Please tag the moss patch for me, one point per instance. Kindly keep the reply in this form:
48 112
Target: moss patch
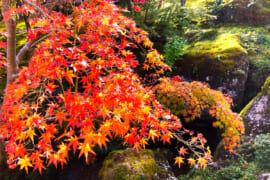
223 51
202 3
130 164
266 87
248 106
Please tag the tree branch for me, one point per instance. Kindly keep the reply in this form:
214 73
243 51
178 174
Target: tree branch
22 51
36 6
26 48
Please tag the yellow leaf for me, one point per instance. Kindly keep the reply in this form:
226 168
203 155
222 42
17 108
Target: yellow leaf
202 162
179 160
25 163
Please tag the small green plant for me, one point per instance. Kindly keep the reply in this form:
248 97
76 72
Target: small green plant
236 171
174 50
262 151
252 159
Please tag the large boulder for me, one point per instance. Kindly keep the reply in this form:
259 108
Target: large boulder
222 62
130 164
256 114
251 12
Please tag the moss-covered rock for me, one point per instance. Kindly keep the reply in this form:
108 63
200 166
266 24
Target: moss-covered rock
246 12
130 164
256 115
221 61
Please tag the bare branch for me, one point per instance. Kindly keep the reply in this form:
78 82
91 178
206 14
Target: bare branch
39 40
26 48
35 6
22 51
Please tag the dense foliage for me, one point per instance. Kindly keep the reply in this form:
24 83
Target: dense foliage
190 99
80 91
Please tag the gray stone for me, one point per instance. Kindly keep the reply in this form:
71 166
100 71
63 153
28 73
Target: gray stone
264 176
256 115
250 12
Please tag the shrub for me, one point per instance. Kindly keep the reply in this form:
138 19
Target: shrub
174 50
262 150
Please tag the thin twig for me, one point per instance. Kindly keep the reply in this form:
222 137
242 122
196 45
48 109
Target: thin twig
37 7
37 41
185 143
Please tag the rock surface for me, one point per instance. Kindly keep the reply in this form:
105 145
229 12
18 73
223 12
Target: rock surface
130 164
256 115
221 62
251 12
264 177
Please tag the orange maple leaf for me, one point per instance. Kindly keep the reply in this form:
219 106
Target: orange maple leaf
202 162
179 160
183 151
191 162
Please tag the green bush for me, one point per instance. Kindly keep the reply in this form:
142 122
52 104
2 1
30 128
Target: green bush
253 158
174 50
262 151
236 171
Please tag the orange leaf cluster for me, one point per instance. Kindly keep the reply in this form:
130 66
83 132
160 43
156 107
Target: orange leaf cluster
193 98
80 91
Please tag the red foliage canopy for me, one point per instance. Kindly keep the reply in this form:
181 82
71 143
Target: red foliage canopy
80 91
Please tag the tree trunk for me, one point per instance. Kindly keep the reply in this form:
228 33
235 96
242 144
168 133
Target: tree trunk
183 2
12 66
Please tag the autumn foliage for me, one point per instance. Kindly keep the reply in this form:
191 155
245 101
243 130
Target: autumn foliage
80 91
189 99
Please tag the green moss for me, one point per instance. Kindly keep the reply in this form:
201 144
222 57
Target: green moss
248 106
224 50
130 164
197 3
266 87
202 3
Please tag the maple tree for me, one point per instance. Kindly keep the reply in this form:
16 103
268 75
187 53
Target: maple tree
80 91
